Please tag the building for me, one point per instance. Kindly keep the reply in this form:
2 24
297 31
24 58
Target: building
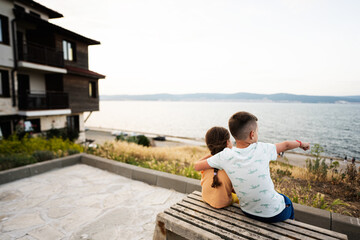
45 81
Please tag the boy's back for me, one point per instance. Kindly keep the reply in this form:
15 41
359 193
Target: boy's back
248 170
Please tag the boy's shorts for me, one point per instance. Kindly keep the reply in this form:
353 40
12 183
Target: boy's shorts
287 213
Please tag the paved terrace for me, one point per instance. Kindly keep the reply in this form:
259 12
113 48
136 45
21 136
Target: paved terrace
81 202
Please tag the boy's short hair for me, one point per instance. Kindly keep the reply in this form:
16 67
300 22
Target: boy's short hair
216 139
241 124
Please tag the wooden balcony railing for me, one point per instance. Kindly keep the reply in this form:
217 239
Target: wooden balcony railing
49 100
37 53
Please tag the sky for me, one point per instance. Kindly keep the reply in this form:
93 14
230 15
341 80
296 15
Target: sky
309 47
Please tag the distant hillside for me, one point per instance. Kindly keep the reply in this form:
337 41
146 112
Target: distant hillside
279 97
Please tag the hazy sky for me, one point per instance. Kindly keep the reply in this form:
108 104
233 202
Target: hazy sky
189 46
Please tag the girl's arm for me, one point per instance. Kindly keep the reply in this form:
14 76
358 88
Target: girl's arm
202 164
288 145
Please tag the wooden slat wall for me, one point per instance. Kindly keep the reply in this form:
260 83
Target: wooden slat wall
78 89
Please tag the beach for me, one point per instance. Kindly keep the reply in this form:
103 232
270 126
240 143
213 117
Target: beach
100 136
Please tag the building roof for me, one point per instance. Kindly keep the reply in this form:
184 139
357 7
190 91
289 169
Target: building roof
38 6
28 17
83 72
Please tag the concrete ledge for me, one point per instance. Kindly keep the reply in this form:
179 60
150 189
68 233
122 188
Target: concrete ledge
166 180
152 177
345 224
116 167
314 216
37 168
14 174
148 176
42 167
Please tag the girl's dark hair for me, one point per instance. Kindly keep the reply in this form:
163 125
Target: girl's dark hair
216 140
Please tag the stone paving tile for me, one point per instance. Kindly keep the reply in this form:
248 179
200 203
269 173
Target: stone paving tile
81 202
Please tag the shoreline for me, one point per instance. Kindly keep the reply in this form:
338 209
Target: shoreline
186 140
101 135
169 138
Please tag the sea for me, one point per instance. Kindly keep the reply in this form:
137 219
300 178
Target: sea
336 127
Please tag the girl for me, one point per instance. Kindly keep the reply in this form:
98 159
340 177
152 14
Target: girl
217 189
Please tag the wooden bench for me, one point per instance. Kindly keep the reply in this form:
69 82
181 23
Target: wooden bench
194 219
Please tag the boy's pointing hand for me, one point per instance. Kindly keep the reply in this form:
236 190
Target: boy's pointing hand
305 146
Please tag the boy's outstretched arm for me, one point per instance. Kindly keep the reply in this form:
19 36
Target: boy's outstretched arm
202 164
288 145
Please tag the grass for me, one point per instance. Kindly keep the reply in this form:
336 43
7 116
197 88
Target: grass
337 192
175 160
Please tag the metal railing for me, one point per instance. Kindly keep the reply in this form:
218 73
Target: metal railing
48 100
33 52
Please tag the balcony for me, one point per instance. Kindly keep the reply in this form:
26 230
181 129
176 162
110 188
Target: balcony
45 101
36 53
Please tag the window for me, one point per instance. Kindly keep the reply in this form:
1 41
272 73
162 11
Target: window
73 123
92 89
32 125
4 84
5 128
69 50
4 29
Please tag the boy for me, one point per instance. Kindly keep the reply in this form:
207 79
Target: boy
247 166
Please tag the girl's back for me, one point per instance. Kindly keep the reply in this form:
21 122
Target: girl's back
220 196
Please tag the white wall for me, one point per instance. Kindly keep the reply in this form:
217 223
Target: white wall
82 136
6 51
81 124
6 107
37 81
47 123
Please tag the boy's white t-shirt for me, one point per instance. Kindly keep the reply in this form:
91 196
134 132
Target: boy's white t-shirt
248 170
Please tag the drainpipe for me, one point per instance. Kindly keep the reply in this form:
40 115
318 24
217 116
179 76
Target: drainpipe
13 26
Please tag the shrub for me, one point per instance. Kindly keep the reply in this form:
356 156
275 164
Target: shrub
15 160
140 139
317 167
16 152
43 155
64 133
143 140
352 175
73 151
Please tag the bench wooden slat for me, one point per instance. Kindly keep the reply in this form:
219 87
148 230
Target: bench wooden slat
228 219
255 223
219 223
306 229
223 234
318 229
166 222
